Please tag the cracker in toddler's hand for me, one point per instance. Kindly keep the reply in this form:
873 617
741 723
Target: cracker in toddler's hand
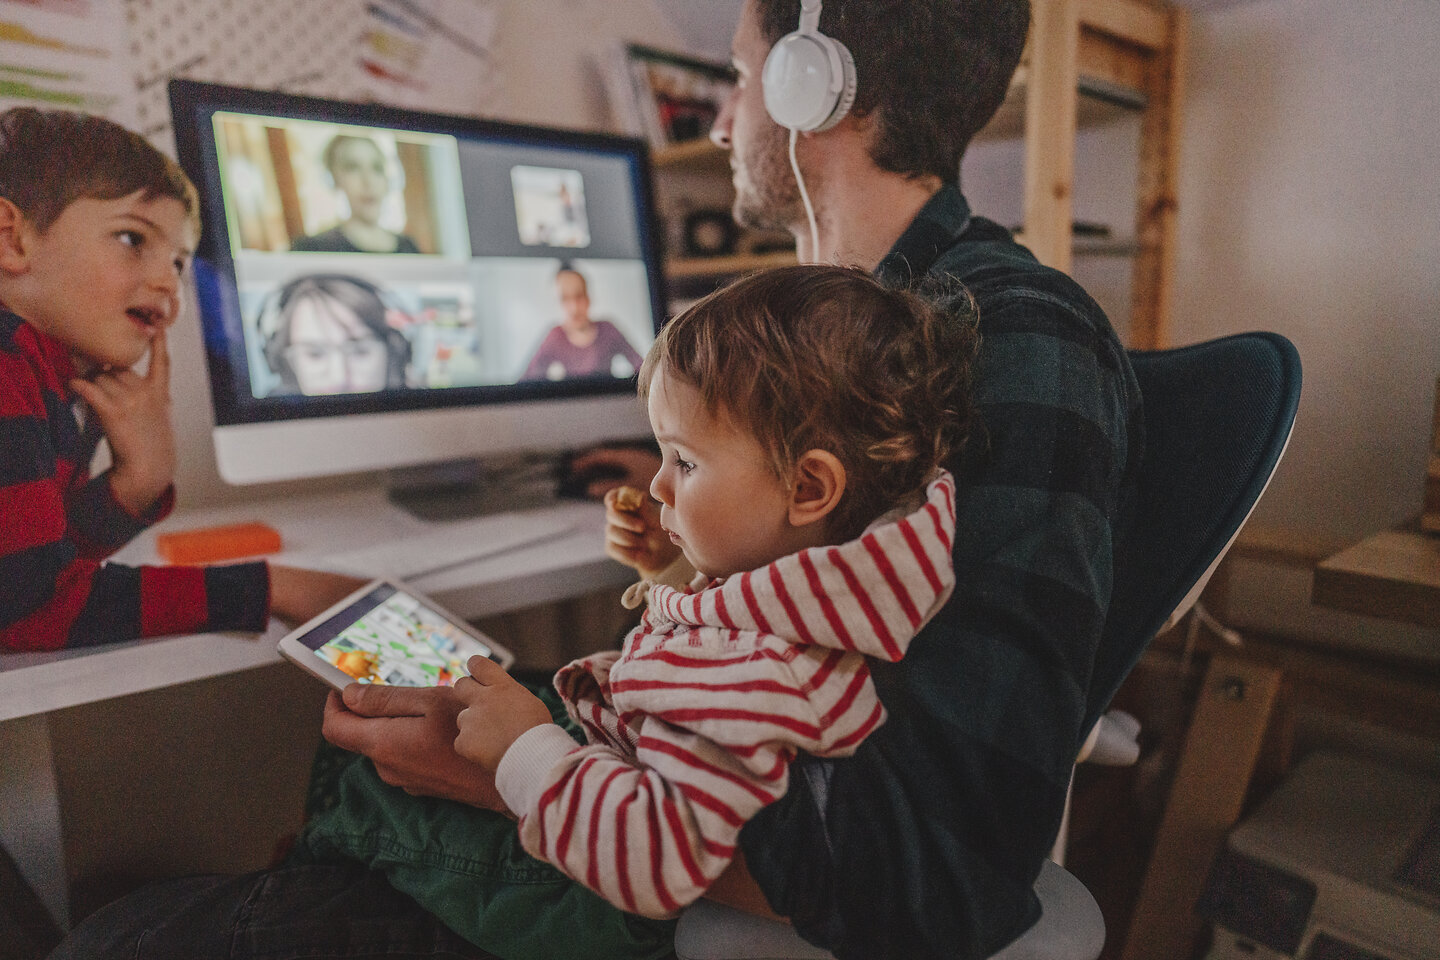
629 499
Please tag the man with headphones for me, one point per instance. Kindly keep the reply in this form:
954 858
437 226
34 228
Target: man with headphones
847 127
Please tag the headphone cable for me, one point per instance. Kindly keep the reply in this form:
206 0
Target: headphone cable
805 199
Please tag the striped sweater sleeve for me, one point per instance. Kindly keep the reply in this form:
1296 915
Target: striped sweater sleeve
692 729
55 589
647 815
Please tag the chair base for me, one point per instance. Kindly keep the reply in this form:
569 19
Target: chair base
1070 928
713 931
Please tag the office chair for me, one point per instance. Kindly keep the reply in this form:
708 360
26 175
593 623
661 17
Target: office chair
1217 418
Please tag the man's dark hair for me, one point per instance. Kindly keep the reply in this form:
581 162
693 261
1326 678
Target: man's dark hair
932 72
51 158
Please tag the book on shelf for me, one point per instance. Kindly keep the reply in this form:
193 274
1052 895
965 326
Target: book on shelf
664 96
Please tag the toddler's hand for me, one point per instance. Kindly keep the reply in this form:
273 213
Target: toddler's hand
134 412
634 536
497 711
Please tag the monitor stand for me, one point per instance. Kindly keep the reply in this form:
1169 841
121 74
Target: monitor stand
458 489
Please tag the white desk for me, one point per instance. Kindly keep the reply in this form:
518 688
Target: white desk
31 685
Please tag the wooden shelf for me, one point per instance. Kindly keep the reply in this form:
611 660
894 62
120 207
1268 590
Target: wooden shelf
1394 574
699 154
1100 101
1086 247
685 268
1096 246
1086 63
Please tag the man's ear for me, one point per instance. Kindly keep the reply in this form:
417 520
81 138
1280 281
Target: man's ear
818 485
14 238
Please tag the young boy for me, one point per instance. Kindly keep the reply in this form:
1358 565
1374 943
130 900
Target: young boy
96 229
793 409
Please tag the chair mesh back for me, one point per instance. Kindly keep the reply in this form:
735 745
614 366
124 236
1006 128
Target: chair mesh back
1217 416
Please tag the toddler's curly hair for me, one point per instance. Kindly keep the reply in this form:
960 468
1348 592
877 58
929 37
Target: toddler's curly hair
827 357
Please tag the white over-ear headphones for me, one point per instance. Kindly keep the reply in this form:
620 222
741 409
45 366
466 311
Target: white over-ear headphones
809 78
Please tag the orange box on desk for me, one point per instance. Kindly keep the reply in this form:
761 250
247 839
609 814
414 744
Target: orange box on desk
212 544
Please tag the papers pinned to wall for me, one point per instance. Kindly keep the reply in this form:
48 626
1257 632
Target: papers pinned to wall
66 54
114 59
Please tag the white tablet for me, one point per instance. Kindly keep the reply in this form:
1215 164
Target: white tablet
387 633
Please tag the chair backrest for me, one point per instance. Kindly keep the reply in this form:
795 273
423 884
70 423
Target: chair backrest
1217 417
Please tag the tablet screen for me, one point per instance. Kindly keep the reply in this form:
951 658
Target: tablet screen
390 637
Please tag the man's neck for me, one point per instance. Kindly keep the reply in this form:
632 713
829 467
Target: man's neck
860 212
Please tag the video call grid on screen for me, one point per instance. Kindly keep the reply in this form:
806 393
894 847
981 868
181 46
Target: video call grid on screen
479 220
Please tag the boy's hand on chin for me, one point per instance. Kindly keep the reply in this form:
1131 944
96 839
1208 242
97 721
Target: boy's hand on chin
134 412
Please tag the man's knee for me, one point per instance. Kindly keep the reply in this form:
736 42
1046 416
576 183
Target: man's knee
313 910
126 928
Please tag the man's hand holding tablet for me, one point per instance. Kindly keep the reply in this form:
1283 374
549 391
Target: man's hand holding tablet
407 731
386 633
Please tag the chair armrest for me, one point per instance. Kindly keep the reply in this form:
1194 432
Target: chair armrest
1113 741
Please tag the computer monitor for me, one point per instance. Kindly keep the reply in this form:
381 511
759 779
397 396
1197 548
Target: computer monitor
381 287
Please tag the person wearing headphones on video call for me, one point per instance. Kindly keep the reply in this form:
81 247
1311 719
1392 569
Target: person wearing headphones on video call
331 333
925 842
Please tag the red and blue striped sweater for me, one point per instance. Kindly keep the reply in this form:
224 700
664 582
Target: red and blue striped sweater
57 526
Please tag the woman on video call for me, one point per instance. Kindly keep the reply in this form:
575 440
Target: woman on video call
327 334
580 346
357 167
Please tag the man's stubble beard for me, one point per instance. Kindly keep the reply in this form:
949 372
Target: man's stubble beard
768 198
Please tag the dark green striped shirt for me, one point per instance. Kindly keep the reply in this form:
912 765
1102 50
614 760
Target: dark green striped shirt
926 842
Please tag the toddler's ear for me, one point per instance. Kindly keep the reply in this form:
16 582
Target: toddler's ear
14 238
818 485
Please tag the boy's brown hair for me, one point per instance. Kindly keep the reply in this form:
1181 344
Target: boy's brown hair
826 357
51 158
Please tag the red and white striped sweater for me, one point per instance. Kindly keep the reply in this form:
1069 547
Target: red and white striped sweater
693 724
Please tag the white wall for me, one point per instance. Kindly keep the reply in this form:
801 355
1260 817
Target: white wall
545 54
1310 205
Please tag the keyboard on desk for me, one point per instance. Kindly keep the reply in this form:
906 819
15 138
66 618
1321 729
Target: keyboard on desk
454 545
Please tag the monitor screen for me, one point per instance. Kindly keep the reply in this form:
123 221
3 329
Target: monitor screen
381 287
